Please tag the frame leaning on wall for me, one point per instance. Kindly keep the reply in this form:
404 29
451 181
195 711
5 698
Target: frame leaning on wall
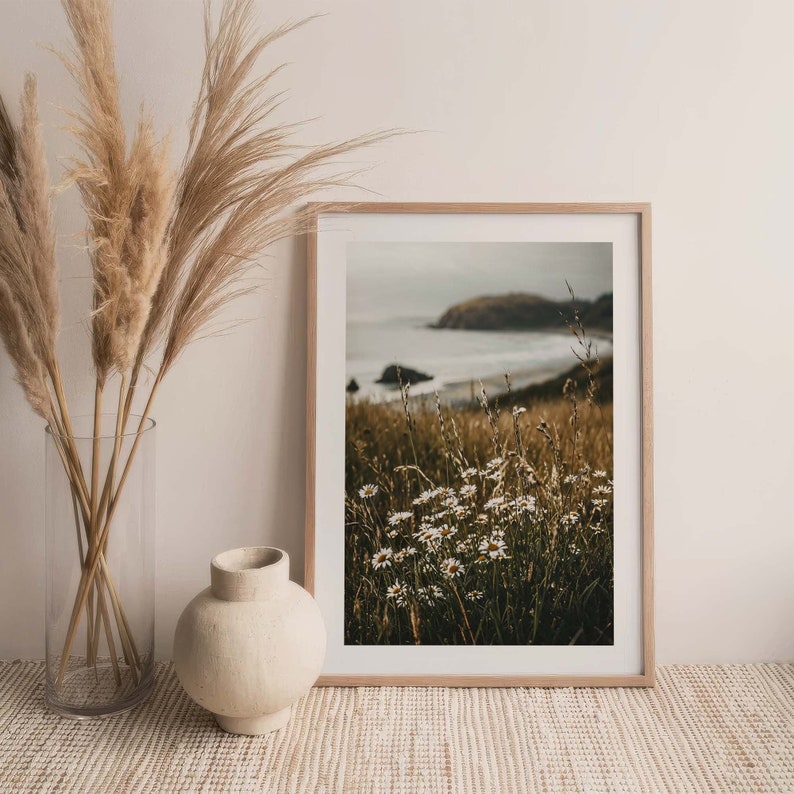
642 213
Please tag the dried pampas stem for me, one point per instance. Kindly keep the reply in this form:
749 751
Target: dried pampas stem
167 252
35 209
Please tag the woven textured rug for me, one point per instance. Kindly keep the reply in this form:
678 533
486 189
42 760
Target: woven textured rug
703 729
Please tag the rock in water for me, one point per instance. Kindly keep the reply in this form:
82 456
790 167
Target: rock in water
406 375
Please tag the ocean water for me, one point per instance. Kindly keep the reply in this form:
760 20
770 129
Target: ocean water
455 358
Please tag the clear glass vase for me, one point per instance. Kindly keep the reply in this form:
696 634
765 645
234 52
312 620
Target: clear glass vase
100 521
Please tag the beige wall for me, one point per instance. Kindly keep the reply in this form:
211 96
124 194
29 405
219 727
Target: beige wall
684 104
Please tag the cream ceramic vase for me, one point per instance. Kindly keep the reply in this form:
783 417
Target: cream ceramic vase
252 643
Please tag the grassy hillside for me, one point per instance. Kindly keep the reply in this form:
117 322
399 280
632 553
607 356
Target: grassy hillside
550 389
526 311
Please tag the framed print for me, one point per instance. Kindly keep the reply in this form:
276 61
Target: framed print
479 468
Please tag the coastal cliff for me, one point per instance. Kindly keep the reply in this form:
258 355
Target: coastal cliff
525 311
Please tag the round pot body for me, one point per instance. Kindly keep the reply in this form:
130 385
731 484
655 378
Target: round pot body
252 643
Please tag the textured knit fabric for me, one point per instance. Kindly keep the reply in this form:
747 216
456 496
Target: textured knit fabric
703 729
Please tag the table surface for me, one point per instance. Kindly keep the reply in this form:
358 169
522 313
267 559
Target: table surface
720 729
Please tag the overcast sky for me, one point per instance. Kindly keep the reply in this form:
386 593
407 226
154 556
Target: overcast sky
424 279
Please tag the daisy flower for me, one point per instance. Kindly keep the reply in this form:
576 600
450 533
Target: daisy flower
400 555
495 503
430 595
446 531
427 535
396 591
468 490
493 547
368 491
382 558
424 497
461 512
600 502
570 518
602 489
524 504
518 410
570 478
467 473
474 595
445 490
600 473
398 518
493 464
392 533
452 567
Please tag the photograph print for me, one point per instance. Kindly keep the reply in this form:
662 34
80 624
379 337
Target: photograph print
479 443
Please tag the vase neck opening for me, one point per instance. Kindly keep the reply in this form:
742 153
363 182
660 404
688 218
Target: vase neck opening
84 427
253 573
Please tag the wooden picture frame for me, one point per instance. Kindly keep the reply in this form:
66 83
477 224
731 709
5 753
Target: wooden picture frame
639 215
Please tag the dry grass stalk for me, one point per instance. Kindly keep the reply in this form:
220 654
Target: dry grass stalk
7 147
28 275
167 253
29 304
240 175
27 365
35 206
126 195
